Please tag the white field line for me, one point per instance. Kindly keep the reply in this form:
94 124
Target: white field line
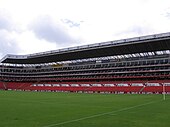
102 114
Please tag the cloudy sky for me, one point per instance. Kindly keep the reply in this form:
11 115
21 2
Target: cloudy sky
30 26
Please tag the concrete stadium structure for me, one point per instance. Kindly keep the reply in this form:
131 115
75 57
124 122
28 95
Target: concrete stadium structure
133 65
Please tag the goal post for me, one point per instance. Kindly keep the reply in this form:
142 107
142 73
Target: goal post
163 91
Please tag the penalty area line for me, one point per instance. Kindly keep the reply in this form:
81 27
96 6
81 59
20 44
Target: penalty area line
101 114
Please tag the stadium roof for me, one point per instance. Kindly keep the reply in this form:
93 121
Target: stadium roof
150 43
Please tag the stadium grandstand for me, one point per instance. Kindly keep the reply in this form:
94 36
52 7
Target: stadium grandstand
134 65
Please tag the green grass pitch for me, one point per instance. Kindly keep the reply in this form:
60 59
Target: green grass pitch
49 109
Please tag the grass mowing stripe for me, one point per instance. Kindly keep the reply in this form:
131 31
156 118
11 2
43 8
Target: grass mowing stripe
102 114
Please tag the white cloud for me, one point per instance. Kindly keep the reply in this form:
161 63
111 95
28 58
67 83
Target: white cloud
50 30
28 43
8 43
41 25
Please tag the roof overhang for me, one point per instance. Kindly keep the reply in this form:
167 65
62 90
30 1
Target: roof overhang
150 43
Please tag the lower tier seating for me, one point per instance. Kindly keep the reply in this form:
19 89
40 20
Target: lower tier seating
88 87
2 85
